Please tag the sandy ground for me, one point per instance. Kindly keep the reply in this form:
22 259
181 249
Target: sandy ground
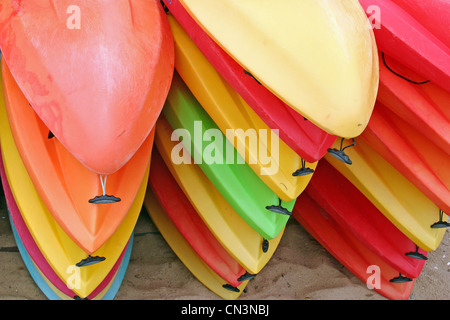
300 269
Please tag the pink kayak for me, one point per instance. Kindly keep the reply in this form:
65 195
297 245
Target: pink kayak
424 105
403 38
432 14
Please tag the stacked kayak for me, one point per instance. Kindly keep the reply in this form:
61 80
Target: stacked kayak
75 149
407 39
330 76
191 227
228 110
249 196
222 119
243 242
306 139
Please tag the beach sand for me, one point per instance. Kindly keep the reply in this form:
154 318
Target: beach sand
300 269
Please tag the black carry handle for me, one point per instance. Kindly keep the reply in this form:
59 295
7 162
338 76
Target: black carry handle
303 171
416 254
104 199
400 279
340 154
90 260
246 276
230 288
279 209
441 223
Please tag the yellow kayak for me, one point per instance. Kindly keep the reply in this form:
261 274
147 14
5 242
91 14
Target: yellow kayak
318 56
243 243
185 252
59 250
230 112
394 195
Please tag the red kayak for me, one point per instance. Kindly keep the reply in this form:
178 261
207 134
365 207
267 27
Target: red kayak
350 251
96 72
411 153
191 226
432 14
355 213
424 106
305 138
403 38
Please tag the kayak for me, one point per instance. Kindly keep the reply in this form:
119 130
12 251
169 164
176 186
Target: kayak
404 39
63 183
412 154
256 203
53 293
106 67
190 225
283 172
394 195
56 246
305 138
185 252
108 292
424 106
246 245
352 253
40 270
432 14
319 57
353 212
111 289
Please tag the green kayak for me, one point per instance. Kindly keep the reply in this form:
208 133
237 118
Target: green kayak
249 196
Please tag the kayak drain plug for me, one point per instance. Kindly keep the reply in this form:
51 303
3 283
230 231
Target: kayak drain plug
340 154
265 245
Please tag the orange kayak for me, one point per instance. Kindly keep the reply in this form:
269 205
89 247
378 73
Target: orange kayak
96 72
63 183
416 157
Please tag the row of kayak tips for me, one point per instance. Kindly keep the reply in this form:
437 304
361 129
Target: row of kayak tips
224 119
